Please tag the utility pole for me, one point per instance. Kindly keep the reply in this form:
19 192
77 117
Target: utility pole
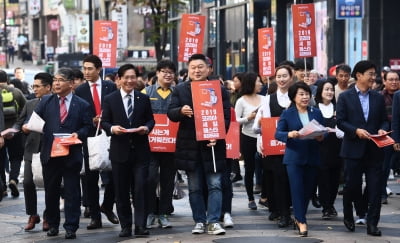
5 32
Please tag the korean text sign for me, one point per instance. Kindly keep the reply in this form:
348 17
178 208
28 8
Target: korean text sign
271 146
266 52
304 30
105 42
163 136
191 36
208 110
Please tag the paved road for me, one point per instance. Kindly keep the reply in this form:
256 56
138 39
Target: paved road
250 226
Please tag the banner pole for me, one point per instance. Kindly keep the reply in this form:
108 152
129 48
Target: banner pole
213 156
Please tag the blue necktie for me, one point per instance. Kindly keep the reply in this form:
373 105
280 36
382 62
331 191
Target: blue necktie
130 108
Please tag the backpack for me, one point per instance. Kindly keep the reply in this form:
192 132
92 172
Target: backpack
10 105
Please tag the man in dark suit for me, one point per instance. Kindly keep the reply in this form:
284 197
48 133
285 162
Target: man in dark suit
128 118
63 112
360 113
41 86
94 91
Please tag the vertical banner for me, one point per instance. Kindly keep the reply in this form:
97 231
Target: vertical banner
266 52
304 30
163 136
233 138
105 42
271 146
191 36
208 110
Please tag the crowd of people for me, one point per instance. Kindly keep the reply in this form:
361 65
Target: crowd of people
79 102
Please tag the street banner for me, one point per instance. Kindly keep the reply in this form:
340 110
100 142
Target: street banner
105 42
271 146
208 110
266 52
233 138
191 36
346 9
304 30
163 136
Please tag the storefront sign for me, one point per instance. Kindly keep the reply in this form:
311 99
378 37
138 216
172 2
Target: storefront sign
349 9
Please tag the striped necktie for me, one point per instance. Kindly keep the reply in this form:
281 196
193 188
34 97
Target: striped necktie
63 109
130 108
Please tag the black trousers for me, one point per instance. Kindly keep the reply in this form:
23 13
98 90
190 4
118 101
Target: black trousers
55 170
123 174
14 147
161 171
371 165
328 185
277 183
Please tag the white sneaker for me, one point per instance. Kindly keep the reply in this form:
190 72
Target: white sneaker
199 228
215 229
361 221
151 218
228 223
61 205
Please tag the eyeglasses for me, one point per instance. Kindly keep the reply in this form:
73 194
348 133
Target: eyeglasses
60 80
36 86
167 72
393 79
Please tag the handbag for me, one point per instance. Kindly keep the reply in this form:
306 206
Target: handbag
98 148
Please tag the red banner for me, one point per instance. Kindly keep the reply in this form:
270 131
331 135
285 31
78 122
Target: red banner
163 136
233 138
271 146
266 52
304 30
105 42
208 110
191 36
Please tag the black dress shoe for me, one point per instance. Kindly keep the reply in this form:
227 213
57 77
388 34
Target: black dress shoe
86 213
273 216
94 224
52 232
110 215
70 235
125 232
373 230
315 202
349 223
285 221
141 231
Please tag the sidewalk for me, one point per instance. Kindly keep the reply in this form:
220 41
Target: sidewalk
250 226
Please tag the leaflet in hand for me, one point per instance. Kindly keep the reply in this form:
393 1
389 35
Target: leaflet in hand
66 139
382 140
35 123
131 130
312 130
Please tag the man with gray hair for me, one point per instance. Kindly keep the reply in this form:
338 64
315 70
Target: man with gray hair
66 113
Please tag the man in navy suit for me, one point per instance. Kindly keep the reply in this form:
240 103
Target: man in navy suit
93 91
63 112
360 113
128 118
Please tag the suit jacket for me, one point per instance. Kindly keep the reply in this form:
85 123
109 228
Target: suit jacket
298 151
32 143
350 116
396 117
114 114
84 91
78 120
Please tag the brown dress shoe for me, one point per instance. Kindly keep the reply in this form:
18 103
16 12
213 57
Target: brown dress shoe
46 226
33 219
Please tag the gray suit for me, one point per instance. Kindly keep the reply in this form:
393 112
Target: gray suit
32 145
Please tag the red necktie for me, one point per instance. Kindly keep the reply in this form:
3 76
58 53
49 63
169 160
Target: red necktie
96 100
63 110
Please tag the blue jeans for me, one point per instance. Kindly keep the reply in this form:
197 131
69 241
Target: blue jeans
197 186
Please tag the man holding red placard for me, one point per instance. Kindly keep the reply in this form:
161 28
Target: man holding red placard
196 157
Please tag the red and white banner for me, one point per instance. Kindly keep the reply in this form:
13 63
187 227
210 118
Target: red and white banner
266 52
304 30
233 138
163 136
271 146
208 110
191 36
105 42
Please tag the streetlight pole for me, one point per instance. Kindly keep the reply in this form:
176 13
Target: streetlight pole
5 32
90 27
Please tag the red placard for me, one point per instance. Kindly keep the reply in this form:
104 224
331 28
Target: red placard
191 36
266 52
163 136
105 42
271 146
208 110
233 138
304 30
